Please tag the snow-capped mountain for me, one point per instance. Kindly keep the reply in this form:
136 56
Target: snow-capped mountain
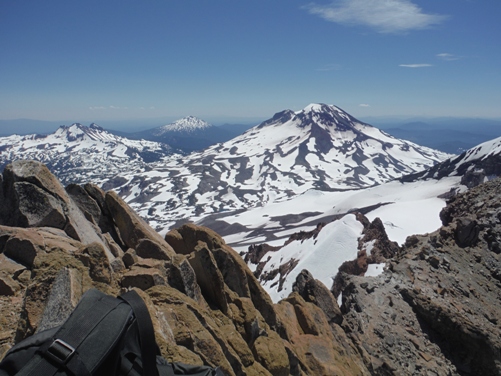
474 165
187 124
187 134
320 147
79 153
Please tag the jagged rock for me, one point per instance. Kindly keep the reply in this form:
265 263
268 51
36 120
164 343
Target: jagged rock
209 277
438 304
316 292
182 277
185 238
131 227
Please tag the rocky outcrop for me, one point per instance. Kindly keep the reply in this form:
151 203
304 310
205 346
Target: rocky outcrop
437 310
206 305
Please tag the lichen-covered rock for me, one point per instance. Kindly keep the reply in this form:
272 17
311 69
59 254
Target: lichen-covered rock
271 353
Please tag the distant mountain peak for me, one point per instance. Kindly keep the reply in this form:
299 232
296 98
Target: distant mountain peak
186 124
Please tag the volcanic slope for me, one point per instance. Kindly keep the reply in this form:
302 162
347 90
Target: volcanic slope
320 147
320 231
79 153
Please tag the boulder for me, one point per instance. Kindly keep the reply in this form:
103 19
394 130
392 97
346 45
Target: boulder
147 248
132 228
21 245
37 208
130 258
271 353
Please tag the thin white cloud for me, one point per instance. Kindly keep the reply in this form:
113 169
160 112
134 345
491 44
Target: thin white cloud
386 16
97 108
415 65
364 105
448 57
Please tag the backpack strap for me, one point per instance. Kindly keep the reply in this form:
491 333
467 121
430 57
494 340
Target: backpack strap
68 348
149 347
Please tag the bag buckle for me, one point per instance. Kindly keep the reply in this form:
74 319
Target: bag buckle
60 351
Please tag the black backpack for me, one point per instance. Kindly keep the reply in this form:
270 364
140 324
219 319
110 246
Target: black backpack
105 336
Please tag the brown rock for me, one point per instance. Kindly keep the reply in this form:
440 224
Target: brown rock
209 277
10 267
194 328
131 227
315 292
185 239
94 257
130 258
7 285
143 278
270 352
182 277
147 248
22 245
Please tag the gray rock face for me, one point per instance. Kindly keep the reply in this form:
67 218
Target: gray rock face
64 295
438 308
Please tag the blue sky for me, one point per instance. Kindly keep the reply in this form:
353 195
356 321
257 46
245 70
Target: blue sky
226 59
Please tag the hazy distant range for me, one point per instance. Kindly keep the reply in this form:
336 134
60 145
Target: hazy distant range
452 135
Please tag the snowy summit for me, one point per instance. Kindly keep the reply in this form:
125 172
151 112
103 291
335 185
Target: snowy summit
186 124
